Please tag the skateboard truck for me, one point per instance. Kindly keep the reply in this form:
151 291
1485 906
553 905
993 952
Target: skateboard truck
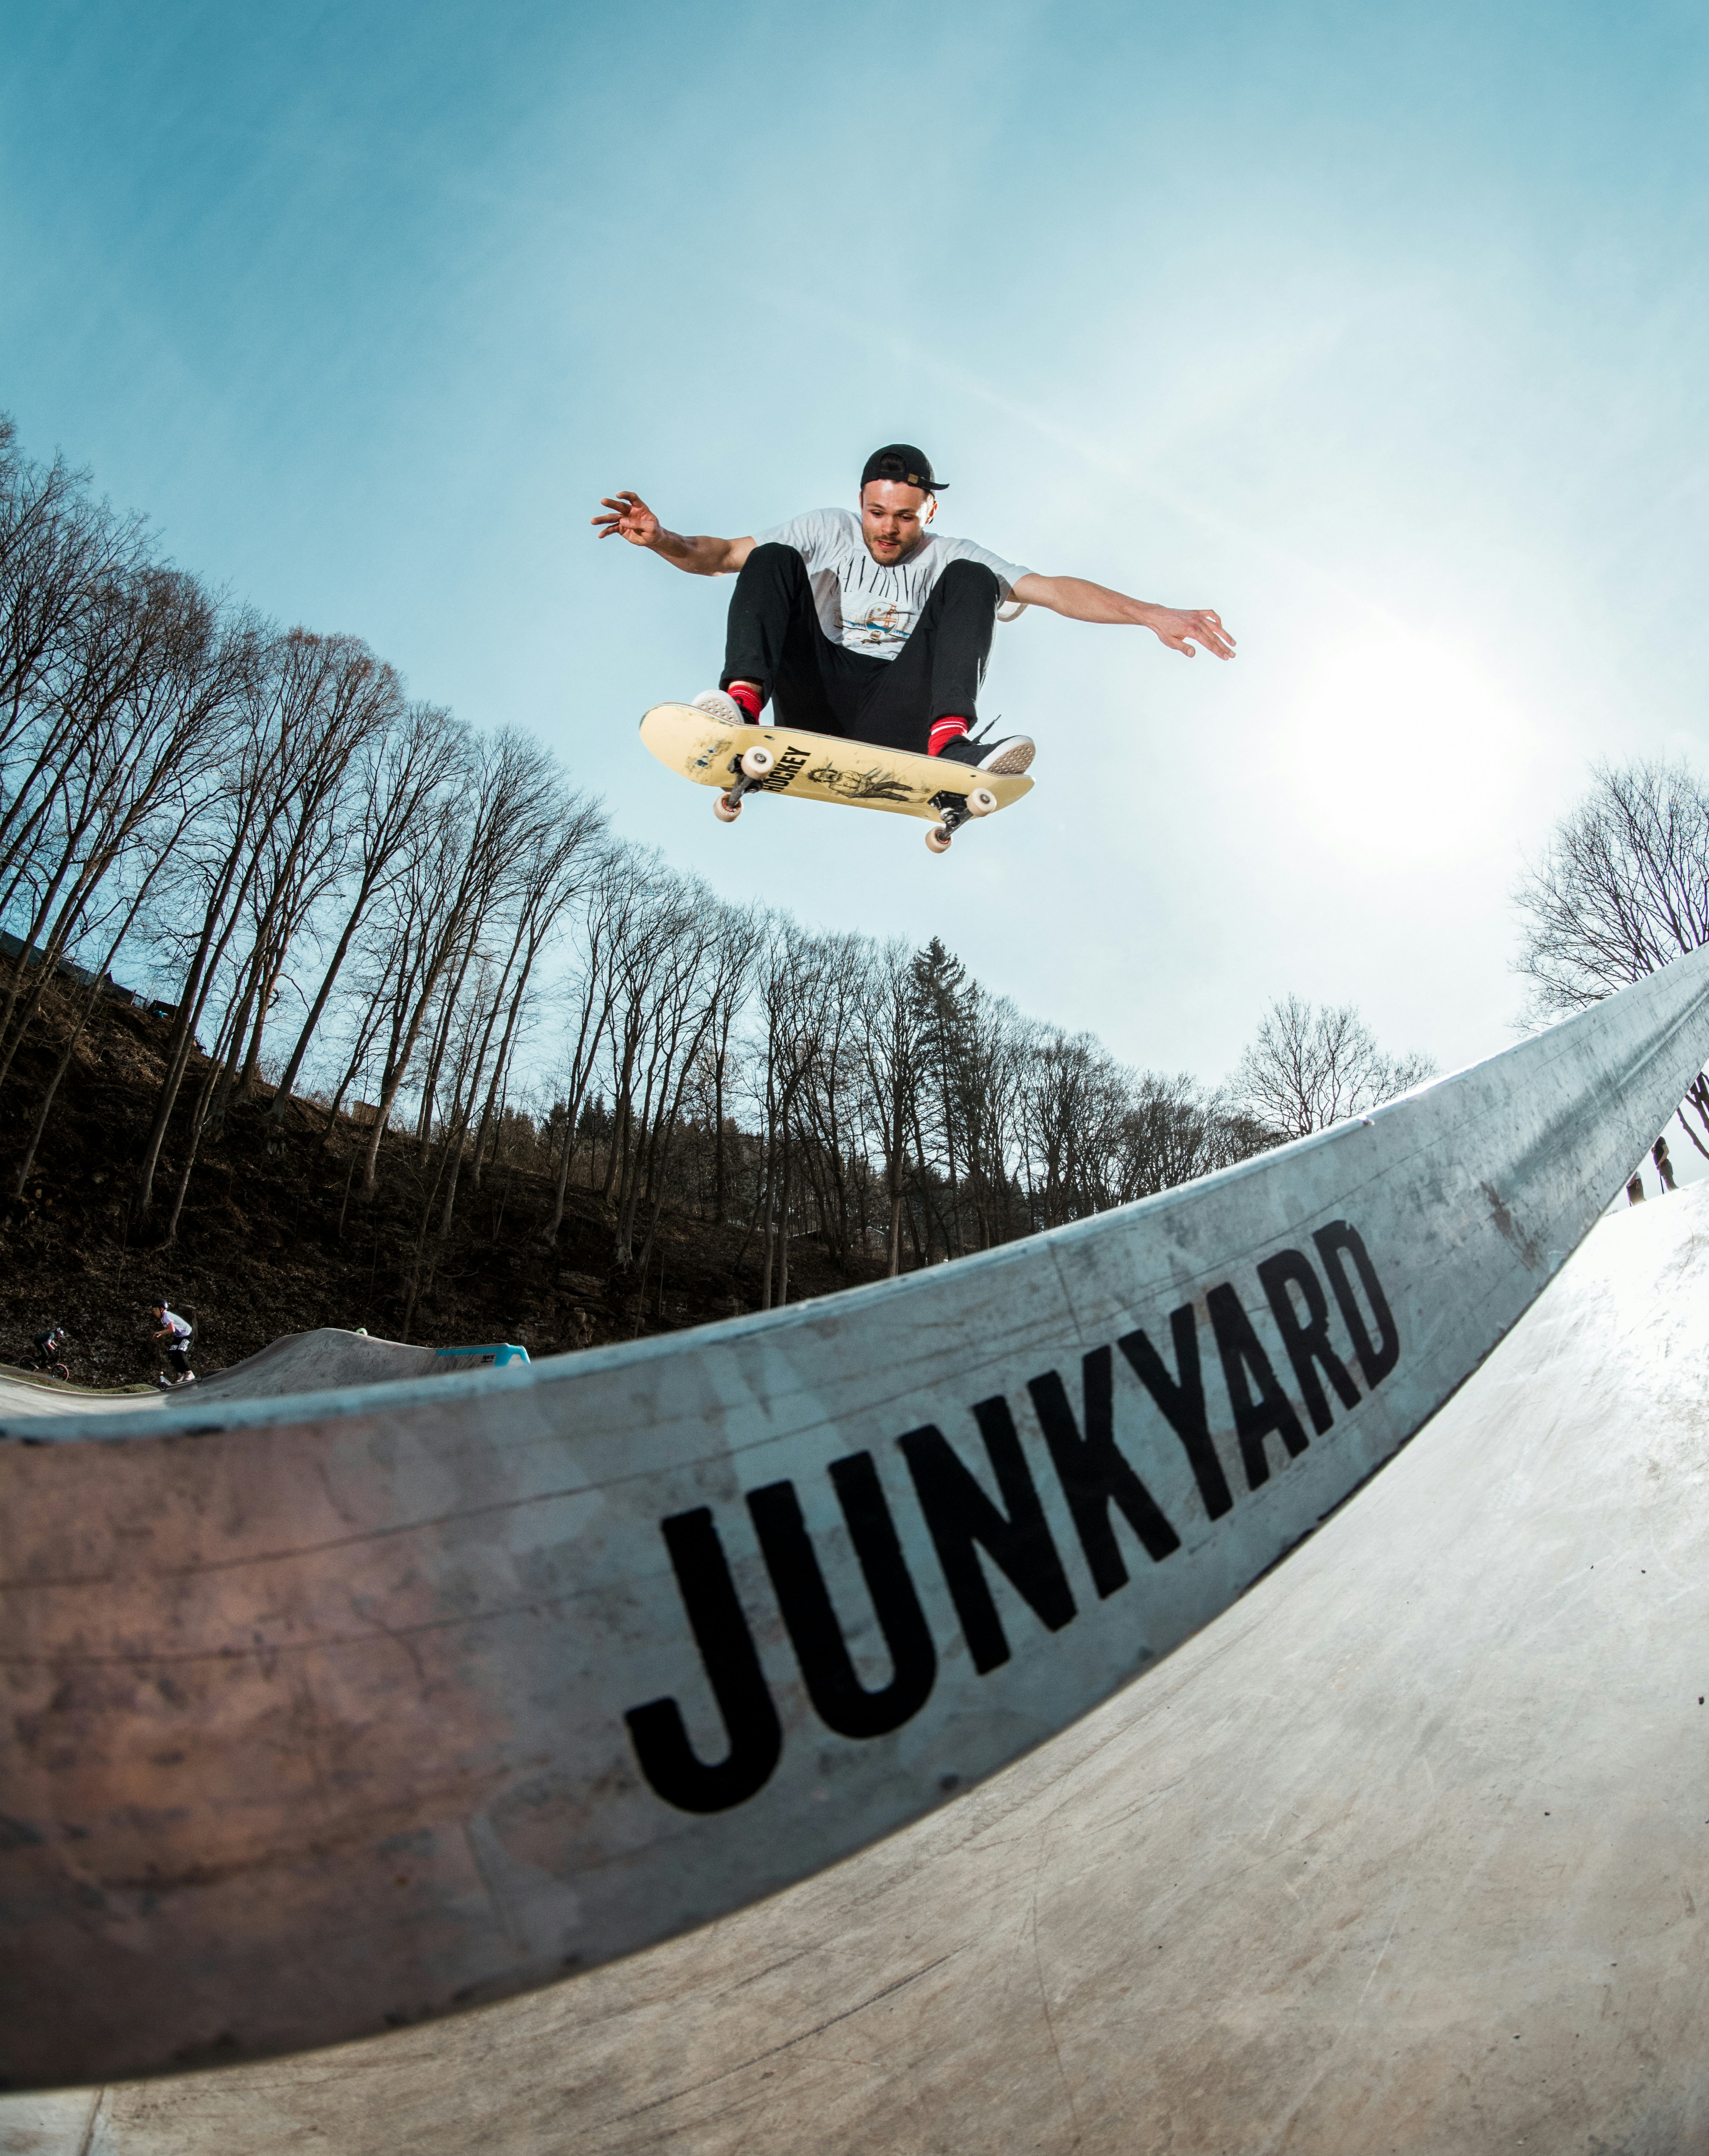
752 768
956 809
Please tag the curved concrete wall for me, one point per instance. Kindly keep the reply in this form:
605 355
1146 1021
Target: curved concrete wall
328 1358
334 1713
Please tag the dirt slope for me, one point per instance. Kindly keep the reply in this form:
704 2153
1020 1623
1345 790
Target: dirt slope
275 1237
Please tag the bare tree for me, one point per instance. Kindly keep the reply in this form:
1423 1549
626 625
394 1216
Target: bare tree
723 957
62 560
399 774
342 699
215 871
988 1078
157 702
259 861
1074 1095
789 1044
1621 889
124 910
1310 1065
560 858
567 855
614 897
675 971
449 903
829 1110
648 967
890 1053
1172 1131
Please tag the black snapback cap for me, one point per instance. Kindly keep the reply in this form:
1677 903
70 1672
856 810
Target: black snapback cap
905 464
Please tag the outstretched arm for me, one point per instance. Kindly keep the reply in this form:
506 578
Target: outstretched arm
631 519
1178 627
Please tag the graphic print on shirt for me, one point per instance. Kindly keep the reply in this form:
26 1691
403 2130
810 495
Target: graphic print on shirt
886 628
881 605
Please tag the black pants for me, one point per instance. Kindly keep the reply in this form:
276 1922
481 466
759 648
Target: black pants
775 639
179 1358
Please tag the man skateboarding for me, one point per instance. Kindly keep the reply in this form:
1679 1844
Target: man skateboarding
174 1331
874 628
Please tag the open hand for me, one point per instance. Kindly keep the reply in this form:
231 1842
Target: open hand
630 519
1182 627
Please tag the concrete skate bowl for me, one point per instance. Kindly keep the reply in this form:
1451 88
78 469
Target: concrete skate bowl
1398 1851
329 1357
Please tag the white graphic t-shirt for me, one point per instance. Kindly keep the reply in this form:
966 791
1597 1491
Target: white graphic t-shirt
861 603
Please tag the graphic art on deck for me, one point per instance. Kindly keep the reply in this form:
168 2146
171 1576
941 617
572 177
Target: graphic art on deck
746 760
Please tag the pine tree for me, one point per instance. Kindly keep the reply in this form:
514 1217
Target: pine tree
944 1008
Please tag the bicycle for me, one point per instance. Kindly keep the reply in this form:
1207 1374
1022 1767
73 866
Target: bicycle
43 1362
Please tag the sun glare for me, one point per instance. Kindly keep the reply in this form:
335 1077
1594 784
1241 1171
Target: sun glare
1395 748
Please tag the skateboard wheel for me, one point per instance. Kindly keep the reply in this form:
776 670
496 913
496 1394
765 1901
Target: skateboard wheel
937 840
757 761
724 809
982 801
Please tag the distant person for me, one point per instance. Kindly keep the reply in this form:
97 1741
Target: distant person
866 624
1634 1190
46 1347
1663 1166
174 1331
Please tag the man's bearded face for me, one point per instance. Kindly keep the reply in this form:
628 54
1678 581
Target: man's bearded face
893 519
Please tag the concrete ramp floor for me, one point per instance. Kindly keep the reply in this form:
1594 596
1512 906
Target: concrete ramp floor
1408 1851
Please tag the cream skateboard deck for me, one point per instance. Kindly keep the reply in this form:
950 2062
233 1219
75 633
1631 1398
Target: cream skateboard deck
740 761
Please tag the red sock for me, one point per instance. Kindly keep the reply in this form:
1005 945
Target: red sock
746 695
944 732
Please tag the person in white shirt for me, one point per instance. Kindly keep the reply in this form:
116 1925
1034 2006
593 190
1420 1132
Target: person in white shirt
174 1331
873 627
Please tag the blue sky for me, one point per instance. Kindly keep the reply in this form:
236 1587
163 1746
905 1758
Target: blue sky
1379 330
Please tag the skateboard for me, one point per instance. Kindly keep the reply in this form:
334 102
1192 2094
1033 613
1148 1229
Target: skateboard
740 761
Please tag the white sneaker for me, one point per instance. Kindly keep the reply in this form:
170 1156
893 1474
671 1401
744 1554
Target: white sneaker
716 704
